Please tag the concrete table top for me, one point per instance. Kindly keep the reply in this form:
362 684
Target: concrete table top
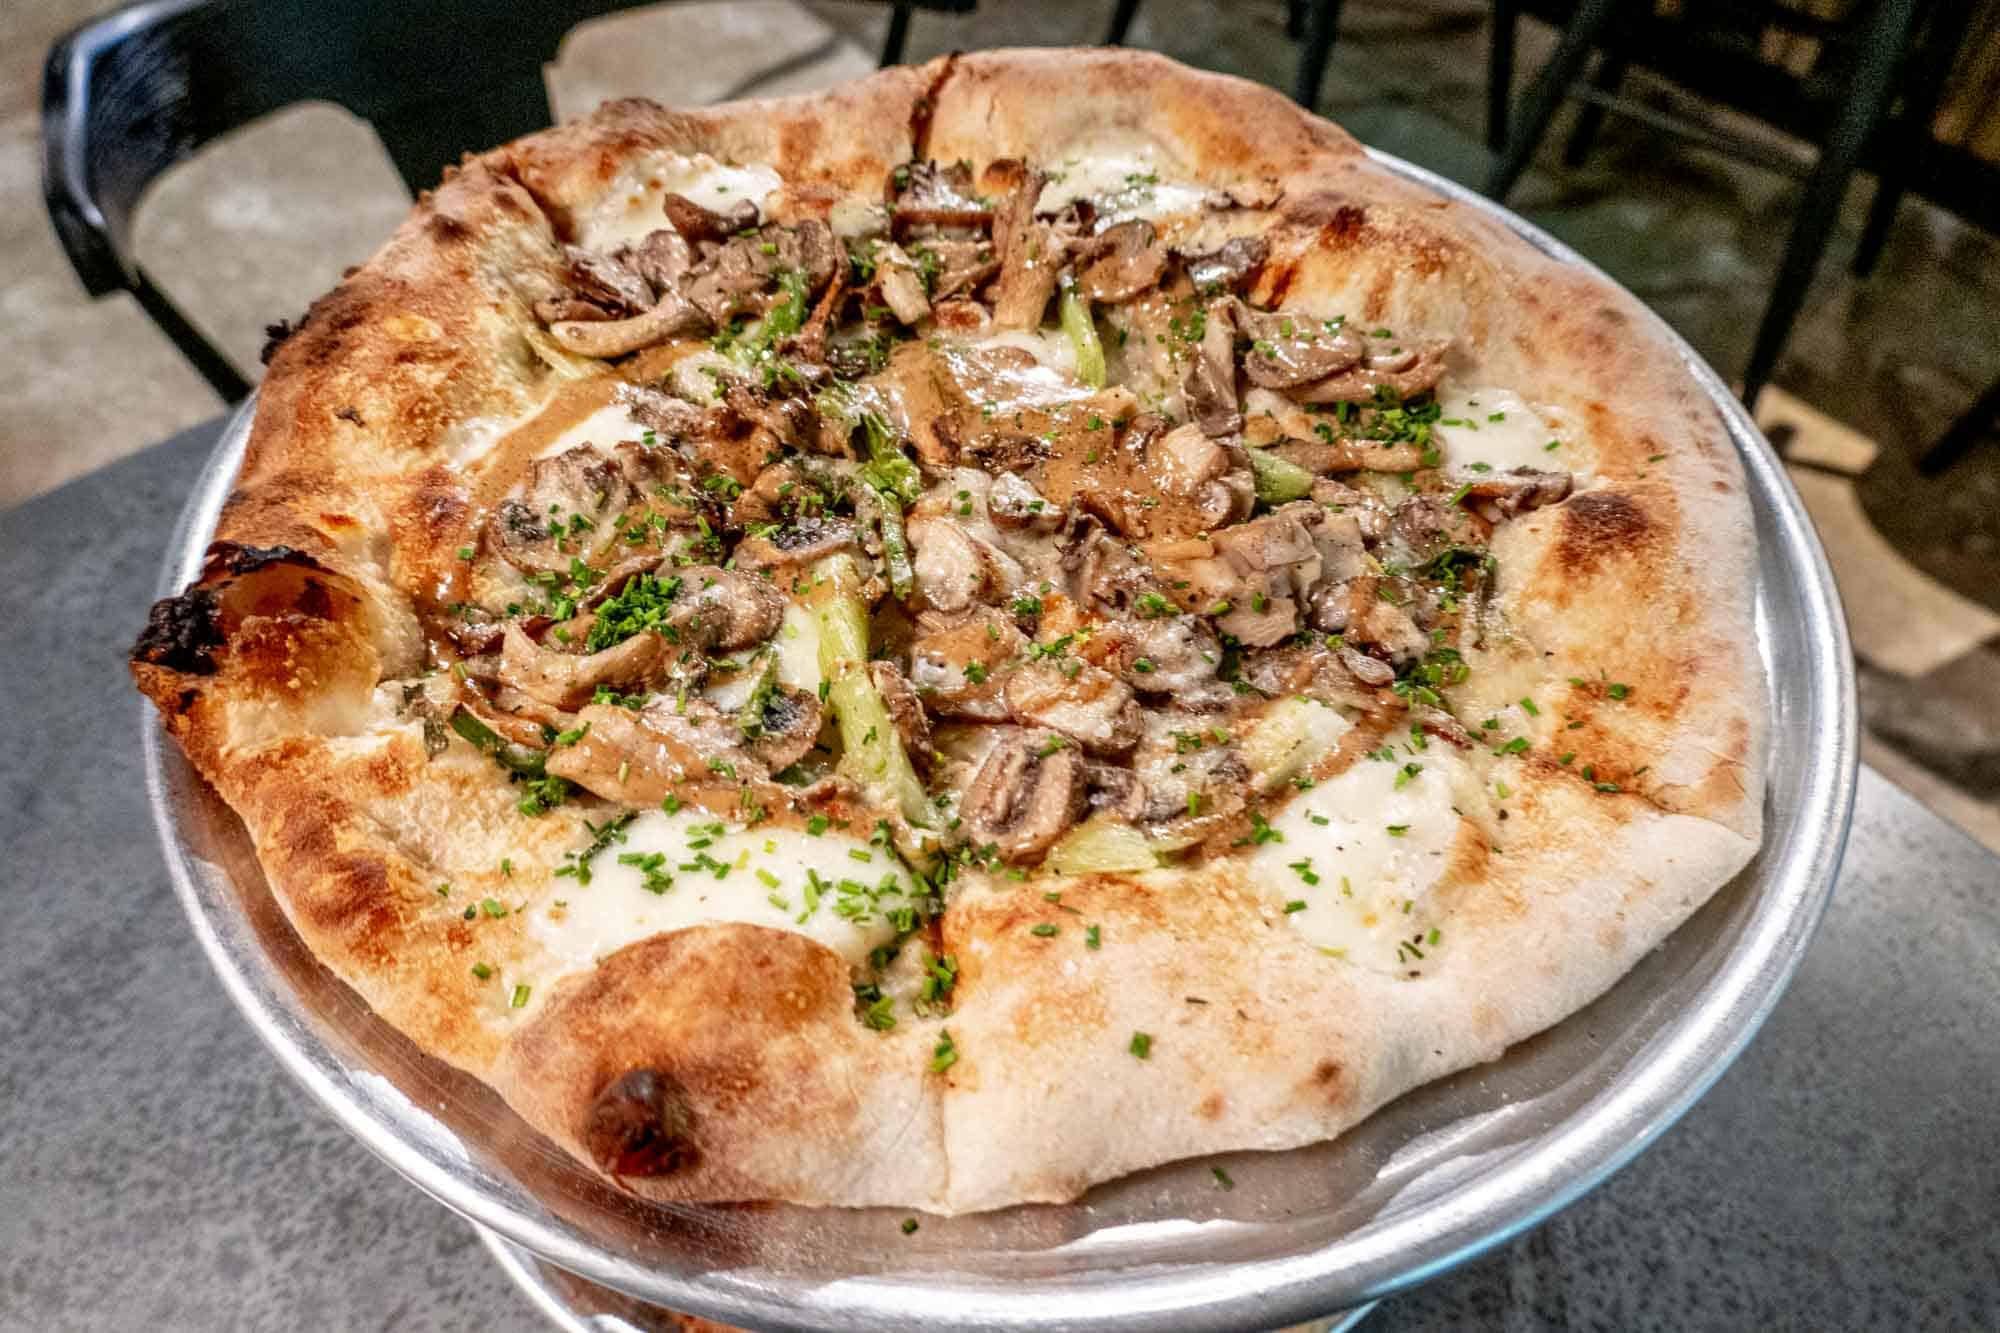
158 1171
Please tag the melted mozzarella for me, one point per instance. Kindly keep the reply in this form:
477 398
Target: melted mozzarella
631 208
769 881
1372 884
1125 180
1518 439
798 648
604 427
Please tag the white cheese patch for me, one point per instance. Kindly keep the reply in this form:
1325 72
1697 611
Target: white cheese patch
1125 179
834 888
1365 873
798 648
605 427
631 209
1496 427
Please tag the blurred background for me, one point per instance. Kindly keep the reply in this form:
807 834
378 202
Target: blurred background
1696 150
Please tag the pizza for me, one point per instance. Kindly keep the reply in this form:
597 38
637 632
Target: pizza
946 641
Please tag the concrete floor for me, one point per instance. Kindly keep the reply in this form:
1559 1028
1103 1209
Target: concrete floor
253 228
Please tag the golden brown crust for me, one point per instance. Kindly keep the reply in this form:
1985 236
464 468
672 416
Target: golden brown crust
357 487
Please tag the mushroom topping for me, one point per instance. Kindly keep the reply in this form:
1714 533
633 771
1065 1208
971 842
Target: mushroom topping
669 747
901 284
641 1125
1026 795
958 670
1115 791
1145 481
1031 257
671 317
1500 495
1253 577
1375 612
662 258
906 710
1229 267
1209 383
955 569
1332 675
1427 526
1290 350
698 223
571 503
1401 370
724 610
599 288
1172 655
1014 503
960 265
784 728
930 196
736 277
1124 261
1088 704
568 680
798 543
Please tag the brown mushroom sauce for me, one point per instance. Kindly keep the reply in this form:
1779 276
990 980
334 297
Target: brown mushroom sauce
1080 596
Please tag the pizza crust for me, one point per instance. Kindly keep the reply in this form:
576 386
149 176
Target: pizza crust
356 489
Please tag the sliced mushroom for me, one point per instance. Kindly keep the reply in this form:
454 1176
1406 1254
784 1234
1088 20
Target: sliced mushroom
1115 791
1375 613
1015 504
961 265
1124 261
786 730
959 670
569 505
605 282
737 276
798 543
569 680
1288 350
906 710
1026 795
1032 254
1085 703
1209 383
725 609
1427 526
901 285
670 318
955 569
930 196
1171 655
1229 267
1501 495
663 258
669 747
698 223
1403 371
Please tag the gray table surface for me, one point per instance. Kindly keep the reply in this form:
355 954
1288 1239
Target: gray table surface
157 1169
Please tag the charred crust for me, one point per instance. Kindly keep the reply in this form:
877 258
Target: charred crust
1597 524
181 634
641 1125
925 107
235 559
274 338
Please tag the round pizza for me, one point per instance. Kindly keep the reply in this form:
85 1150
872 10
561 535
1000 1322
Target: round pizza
946 641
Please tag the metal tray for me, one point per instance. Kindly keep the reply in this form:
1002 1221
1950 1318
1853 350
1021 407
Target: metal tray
1431 1180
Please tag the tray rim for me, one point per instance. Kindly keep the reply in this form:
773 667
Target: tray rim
1491 1206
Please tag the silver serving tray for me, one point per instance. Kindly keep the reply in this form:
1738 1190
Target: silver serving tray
1438 1176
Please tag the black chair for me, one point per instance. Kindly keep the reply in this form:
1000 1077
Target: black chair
1867 58
128 95
1312 23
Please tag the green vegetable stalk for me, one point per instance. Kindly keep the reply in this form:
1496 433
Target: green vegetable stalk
1278 480
874 749
1082 331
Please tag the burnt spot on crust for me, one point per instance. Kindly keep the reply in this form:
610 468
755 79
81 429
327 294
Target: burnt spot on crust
446 229
274 338
641 1125
1330 1077
181 634
235 559
350 414
1597 524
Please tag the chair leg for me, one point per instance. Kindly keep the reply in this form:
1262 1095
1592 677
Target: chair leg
1590 117
1322 25
899 33
1121 22
204 356
1500 73
1923 88
1546 94
1882 44
1295 19
1982 417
